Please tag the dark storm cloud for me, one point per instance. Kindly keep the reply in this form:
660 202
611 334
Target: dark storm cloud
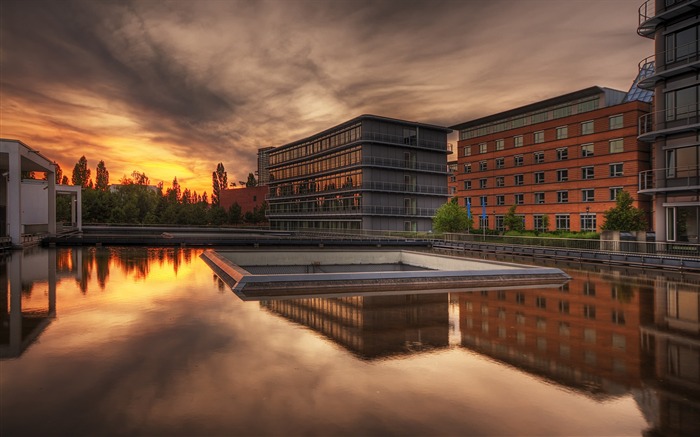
210 81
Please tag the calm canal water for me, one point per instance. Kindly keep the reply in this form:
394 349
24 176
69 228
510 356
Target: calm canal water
149 342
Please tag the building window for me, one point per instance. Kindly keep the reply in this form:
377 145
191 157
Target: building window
467 202
520 298
539 177
588 222
482 183
484 200
483 148
467 168
616 170
587 150
562 132
518 141
500 144
541 302
483 166
618 317
587 127
539 221
467 151
589 311
500 181
500 162
467 185
589 335
562 175
564 309
519 199
500 226
682 103
616 122
562 197
500 199
562 222
518 160
588 195
518 179
682 44
619 341
614 191
589 288
483 222
616 146
539 137
562 154
538 157
587 172
539 198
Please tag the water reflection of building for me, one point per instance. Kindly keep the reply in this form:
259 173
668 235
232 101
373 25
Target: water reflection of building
20 272
584 335
671 399
373 326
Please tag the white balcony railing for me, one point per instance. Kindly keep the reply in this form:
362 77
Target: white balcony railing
670 178
670 120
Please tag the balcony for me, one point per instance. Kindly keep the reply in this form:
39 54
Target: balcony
396 211
669 63
652 14
408 141
669 121
404 164
672 179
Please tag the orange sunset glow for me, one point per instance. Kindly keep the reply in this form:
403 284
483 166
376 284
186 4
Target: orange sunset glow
171 88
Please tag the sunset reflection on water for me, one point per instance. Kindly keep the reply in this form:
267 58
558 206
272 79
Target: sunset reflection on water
149 341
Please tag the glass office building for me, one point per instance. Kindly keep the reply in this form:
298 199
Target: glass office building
369 173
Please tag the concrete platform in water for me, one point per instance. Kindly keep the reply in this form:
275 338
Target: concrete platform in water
263 274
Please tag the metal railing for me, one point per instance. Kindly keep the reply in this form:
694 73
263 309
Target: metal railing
648 10
403 164
409 141
670 177
660 60
355 210
678 117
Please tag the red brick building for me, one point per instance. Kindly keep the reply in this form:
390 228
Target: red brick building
564 158
248 198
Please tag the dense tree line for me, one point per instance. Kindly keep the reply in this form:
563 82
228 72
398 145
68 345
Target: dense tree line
135 201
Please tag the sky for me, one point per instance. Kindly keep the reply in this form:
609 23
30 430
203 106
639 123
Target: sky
171 88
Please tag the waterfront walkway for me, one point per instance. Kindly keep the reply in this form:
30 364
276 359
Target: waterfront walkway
670 256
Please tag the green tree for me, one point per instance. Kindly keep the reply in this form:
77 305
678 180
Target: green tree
235 214
251 182
101 177
451 217
624 216
511 221
81 173
219 181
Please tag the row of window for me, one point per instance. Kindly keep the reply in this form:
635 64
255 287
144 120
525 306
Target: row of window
538 177
588 312
344 180
309 148
560 133
539 197
555 113
562 222
562 153
312 167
